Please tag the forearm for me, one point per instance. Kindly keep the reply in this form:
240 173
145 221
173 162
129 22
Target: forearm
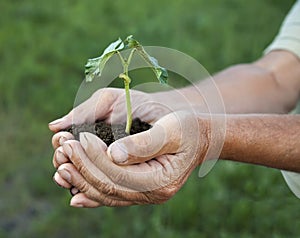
268 140
269 85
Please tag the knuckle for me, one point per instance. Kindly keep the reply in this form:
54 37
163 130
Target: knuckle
73 143
83 170
106 201
99 195
104 94
55 139
108 189
161 196
84 187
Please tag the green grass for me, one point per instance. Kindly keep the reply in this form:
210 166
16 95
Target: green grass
44 46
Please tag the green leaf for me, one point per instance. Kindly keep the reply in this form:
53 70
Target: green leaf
160 72
95 66
131 43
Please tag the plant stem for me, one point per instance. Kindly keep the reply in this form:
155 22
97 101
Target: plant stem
128 105
127 81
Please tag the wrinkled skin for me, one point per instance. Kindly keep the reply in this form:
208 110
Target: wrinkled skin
126 173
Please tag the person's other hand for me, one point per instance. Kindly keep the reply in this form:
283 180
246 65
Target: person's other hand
109 105
155 163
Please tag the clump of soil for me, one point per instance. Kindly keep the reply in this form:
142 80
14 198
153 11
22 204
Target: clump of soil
109 133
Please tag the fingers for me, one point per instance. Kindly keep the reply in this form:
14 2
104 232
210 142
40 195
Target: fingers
86 164
105 183
61 181
97 107
59 157
96 149
61 123
89 196
82 200
79 199
123 181
59 138
70 174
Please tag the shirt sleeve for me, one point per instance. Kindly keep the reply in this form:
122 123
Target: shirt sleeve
293 181
288 37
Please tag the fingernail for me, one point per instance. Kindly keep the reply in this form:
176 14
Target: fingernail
118 153
75 204
65 175
74 191
56 179
83 140
62 139
56 121
68 149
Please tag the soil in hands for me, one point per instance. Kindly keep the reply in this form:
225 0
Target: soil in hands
109 133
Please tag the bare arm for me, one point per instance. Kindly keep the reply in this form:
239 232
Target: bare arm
268 85
269 140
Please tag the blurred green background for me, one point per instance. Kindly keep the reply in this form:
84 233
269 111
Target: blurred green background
43 48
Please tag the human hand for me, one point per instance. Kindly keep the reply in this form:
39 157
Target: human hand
156 163
109 105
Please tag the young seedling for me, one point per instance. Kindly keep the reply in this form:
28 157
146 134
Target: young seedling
95 66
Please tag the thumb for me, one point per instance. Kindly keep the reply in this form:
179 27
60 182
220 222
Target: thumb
144 146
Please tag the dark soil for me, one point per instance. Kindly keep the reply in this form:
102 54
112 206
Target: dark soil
109 133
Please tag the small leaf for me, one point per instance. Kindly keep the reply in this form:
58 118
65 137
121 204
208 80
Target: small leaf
95 66
130 42
160 72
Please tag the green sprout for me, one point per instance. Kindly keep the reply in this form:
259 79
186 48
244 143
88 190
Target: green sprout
95 66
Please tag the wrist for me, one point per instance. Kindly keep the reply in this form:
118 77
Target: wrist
212 131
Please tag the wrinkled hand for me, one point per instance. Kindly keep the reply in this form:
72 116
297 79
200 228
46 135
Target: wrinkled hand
155 163
108 105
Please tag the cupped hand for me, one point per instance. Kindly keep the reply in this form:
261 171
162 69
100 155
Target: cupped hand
109 105
105 104
155 163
